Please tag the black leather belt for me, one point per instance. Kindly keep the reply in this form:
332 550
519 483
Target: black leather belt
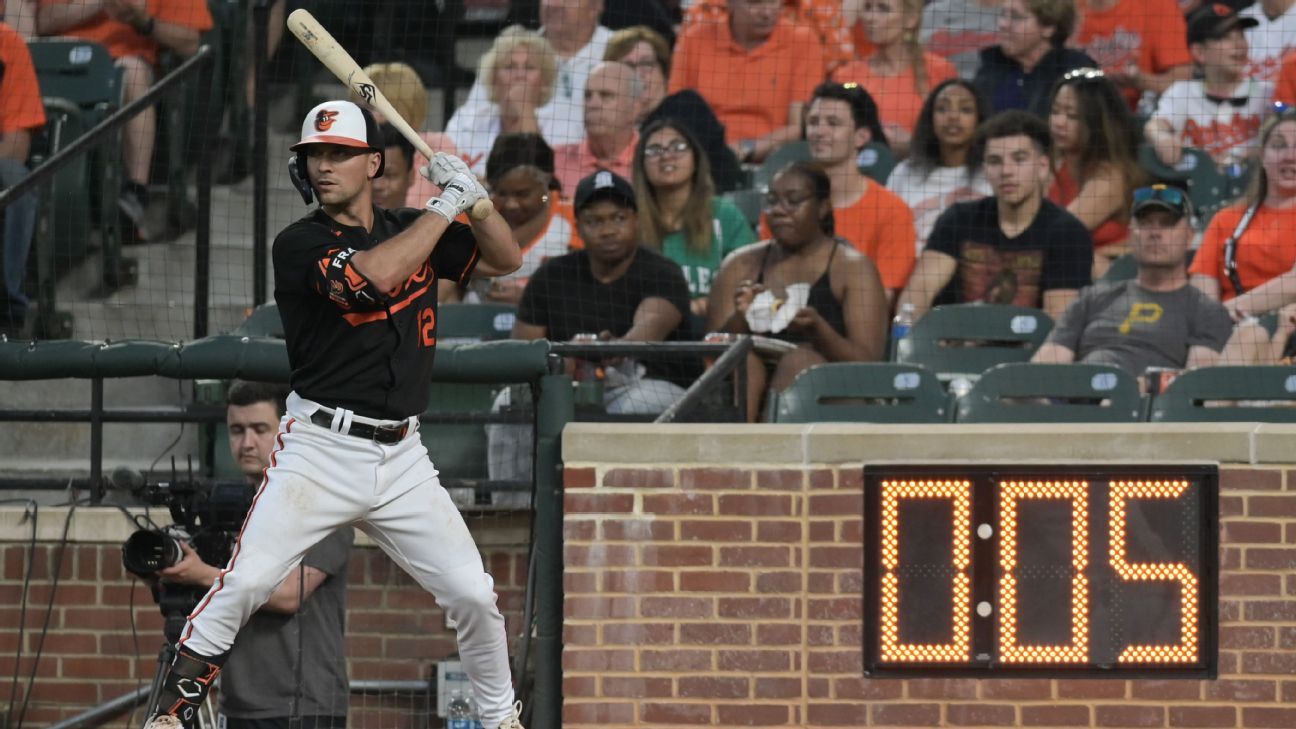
385 434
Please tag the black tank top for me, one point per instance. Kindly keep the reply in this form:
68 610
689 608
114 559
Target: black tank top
821 298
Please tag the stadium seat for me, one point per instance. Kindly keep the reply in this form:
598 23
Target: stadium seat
1123 268
1207 187
863 392
466 323
84 77
778 159
1230 393
264 321
967 339
876 160
1024 392
750 203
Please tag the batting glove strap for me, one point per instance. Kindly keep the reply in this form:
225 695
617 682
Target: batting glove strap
443 208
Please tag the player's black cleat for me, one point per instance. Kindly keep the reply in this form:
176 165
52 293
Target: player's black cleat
183 691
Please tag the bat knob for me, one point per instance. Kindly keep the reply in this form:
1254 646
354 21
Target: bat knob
482 209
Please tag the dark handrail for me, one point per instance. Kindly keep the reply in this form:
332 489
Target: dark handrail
107 126
734 357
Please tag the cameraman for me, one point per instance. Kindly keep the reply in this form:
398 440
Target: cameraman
289 660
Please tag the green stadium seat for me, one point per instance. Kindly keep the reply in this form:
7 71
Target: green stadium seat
264 321
1229 394
467 323
863 392
778 159
1123 268
1023 392
876 160
750 203
1207 187
967 339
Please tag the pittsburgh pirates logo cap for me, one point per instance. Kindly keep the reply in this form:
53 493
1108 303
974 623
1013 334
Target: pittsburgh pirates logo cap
339 122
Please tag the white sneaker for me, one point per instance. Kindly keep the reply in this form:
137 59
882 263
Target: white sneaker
513 722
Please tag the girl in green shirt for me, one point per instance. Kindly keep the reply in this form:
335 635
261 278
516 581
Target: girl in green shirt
679 213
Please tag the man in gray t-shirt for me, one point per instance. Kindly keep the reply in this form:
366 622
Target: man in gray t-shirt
1155 319
288 662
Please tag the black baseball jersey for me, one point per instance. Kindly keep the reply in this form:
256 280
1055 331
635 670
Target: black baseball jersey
350 345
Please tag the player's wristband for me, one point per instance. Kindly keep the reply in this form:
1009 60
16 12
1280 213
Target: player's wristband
443 208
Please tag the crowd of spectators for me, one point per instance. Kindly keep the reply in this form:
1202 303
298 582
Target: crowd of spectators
1017 126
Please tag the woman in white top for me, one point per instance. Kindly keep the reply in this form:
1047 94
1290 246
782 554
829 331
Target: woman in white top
519 72
941 170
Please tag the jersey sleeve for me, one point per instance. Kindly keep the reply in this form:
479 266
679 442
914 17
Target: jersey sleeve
1171 108
308 260
330 556
456 254
1069 264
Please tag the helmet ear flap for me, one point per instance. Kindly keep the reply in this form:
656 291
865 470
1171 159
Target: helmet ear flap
299 177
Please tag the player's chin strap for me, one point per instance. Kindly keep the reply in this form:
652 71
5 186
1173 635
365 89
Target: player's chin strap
300 182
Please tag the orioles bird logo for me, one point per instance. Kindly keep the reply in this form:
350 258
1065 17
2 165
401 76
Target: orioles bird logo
324 119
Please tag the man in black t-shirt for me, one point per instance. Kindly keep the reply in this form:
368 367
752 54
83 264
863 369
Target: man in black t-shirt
356 287
1014 247
613 288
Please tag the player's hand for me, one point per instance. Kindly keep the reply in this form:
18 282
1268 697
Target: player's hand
458 195
444 166
190 570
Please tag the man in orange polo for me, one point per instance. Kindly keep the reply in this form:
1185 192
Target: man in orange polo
134 32
611 103
21 113
755 68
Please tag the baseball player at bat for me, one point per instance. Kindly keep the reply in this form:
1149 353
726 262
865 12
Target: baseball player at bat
356 287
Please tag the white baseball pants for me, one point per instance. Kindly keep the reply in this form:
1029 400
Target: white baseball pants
320 479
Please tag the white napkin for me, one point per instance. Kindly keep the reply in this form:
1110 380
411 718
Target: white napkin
768 314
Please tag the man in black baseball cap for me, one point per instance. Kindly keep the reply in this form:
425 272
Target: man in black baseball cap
1214 21
615 289
1155 319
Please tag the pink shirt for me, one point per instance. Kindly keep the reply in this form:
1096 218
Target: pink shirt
574 162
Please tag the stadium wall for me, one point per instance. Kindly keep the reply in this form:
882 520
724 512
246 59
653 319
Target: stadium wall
91 652
714 578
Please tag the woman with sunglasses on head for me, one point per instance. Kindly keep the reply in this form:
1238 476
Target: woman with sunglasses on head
1247 257
1095 166
844 318
679 214
897 72
941 169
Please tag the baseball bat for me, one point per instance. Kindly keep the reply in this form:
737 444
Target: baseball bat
335 58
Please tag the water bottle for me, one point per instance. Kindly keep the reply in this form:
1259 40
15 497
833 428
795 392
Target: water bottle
900 326
460 713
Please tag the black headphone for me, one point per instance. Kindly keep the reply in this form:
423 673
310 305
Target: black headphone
297 163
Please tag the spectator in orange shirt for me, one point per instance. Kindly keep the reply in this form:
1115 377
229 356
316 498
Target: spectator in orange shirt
611 102
755 68
840 120
21 112
1141 44
134 32
1285 89
898 72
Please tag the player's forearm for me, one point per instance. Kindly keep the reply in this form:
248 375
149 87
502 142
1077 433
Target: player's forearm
388 264
500 254
54 19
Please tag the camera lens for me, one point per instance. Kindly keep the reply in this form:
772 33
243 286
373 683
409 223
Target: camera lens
147 551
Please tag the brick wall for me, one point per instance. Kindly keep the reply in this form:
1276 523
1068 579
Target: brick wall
395 631
731 595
